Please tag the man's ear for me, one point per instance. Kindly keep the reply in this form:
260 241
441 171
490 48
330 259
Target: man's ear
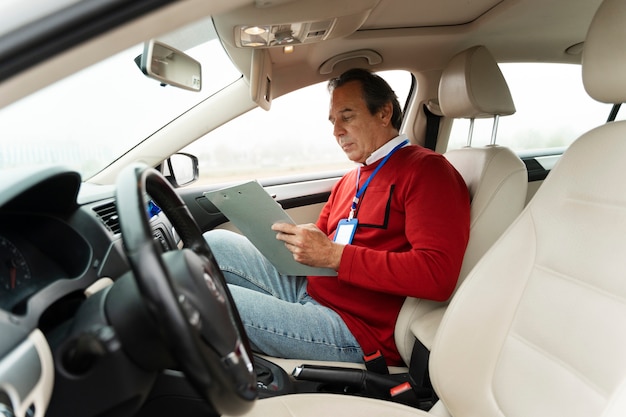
385 113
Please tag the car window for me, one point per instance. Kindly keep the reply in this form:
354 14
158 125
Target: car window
553 110
293 138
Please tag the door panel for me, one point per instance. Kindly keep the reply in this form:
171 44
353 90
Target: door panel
302 200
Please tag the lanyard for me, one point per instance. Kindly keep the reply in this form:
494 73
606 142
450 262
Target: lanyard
360 191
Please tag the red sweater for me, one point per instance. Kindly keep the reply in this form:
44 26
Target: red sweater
412 233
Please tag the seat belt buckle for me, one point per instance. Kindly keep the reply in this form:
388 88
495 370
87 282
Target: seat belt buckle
405 394
401 389
375 362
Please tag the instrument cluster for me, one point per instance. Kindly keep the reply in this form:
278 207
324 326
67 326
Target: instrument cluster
36 251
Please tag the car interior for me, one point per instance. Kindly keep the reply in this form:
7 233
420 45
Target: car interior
112 303
539 297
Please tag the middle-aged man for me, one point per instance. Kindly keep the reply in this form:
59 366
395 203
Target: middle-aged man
410 208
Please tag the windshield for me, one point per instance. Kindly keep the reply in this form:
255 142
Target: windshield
93 117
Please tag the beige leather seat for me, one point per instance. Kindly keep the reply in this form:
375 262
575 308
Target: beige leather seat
537 328
472 86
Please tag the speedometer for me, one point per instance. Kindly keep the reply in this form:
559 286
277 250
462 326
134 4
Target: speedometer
14 271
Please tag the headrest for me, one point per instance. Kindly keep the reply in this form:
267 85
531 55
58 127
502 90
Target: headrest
604 59
472 86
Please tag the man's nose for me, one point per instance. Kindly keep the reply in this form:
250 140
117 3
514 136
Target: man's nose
338 129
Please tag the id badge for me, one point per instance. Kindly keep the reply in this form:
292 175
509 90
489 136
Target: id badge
345 231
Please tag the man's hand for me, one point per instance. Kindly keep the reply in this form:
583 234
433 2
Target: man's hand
309 245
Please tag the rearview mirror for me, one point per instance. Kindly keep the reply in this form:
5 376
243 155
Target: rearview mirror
170 66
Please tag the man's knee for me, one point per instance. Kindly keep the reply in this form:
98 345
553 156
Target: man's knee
220 239
217 236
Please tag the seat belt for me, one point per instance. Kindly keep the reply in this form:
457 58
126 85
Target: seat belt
418 368
432 129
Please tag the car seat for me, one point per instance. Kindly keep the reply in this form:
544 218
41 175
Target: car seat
471 86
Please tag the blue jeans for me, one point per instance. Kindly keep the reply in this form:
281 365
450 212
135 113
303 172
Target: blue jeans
280 318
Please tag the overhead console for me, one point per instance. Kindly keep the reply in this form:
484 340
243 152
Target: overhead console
279 23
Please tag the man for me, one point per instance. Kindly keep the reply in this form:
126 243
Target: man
409 211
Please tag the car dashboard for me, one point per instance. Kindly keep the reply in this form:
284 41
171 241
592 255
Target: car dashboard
58 245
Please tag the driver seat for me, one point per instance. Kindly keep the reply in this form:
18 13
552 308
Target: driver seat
472 86
536 328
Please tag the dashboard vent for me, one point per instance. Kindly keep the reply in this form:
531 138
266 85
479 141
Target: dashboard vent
107 213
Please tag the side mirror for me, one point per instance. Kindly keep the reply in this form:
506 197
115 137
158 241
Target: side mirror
170 66
181 169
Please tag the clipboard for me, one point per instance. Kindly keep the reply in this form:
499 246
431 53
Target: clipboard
253 211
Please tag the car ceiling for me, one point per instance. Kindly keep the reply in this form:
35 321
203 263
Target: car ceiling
419 35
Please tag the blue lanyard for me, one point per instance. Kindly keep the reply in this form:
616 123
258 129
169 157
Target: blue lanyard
360 191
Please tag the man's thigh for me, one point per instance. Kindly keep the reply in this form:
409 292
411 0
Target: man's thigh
243 265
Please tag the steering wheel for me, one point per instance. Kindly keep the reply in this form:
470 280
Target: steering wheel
186 294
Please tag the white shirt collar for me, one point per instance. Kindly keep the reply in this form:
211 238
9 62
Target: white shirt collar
385 149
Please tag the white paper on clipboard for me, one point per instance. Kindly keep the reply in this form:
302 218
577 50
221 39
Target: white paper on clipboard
253 211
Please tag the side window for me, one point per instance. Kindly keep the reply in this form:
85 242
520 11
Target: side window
293 138
553 110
